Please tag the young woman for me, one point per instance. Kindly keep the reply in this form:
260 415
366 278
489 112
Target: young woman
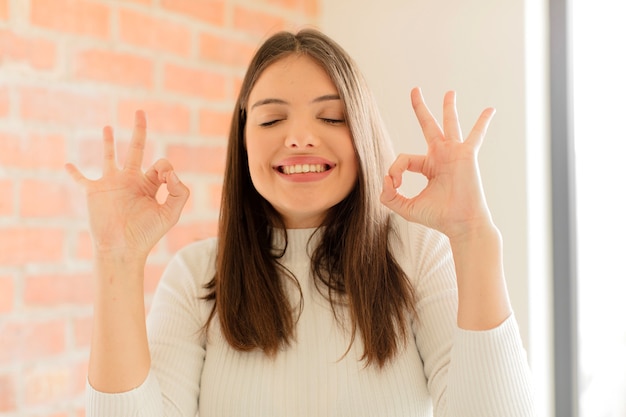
326 292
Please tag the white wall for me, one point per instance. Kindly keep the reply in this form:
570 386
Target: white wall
492 53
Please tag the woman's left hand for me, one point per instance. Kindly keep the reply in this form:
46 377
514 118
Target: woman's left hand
453 201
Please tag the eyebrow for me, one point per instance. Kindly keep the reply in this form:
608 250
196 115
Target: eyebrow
326 97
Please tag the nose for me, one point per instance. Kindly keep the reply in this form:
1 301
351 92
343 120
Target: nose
300 135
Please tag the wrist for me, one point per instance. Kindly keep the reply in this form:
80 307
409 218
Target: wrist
127 265
120 255
481 231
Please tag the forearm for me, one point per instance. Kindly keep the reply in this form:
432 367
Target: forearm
120 358
483 296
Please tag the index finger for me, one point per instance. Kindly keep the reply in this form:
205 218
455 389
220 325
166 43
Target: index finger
403 163
427 121
479 130
134 158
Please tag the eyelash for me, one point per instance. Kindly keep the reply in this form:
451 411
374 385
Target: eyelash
325 120
333 121
270 123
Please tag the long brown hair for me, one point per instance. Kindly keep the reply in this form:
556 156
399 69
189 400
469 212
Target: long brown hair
352 264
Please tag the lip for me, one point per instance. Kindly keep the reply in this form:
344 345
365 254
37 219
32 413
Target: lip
308 176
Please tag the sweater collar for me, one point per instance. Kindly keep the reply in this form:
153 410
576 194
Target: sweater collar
299 242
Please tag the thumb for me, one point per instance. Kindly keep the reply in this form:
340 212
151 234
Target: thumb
391 198
178 193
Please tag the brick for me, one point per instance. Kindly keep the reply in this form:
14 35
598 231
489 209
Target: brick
48 386
256 23
7 393
214 123
32 151
236 84
183 234
21 245
79 376
196 82
80 17
143 30
57 289
81 330
6 202
84 249
209 11
162 117
225 51
81 107
7 294
56 197
90 151
38 53
26 340
5 102
115 67
215 196
206 159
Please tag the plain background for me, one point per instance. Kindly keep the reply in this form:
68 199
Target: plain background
493 53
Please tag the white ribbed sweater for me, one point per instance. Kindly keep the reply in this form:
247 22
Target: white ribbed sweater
443 370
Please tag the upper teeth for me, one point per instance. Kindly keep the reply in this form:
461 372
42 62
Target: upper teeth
303 168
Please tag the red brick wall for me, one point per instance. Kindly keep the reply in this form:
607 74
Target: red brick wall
67 68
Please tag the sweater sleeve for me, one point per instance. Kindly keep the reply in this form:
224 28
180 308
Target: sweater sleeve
177 345
469 373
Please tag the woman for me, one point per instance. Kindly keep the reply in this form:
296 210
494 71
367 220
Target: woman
326 292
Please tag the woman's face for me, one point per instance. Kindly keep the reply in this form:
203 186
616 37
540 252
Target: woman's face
300 152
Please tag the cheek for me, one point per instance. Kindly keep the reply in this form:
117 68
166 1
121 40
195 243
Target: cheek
351 158
258 164
354 172
253 163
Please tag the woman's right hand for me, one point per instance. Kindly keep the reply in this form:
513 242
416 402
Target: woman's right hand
124 215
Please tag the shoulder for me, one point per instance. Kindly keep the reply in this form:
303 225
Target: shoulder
196 261
199 251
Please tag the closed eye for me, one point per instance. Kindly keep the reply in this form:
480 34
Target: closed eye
332 121
269 123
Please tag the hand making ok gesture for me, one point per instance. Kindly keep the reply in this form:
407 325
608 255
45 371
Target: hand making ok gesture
124 214
453 201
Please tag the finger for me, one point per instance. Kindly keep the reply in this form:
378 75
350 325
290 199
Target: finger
427 121
76 175
391 198
137 143
478 132
157 173
390 190
177 196
109 150
405 162
451 126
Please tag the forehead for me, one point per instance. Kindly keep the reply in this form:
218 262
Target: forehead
292 78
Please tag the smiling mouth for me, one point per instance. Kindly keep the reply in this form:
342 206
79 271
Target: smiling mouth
303 168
